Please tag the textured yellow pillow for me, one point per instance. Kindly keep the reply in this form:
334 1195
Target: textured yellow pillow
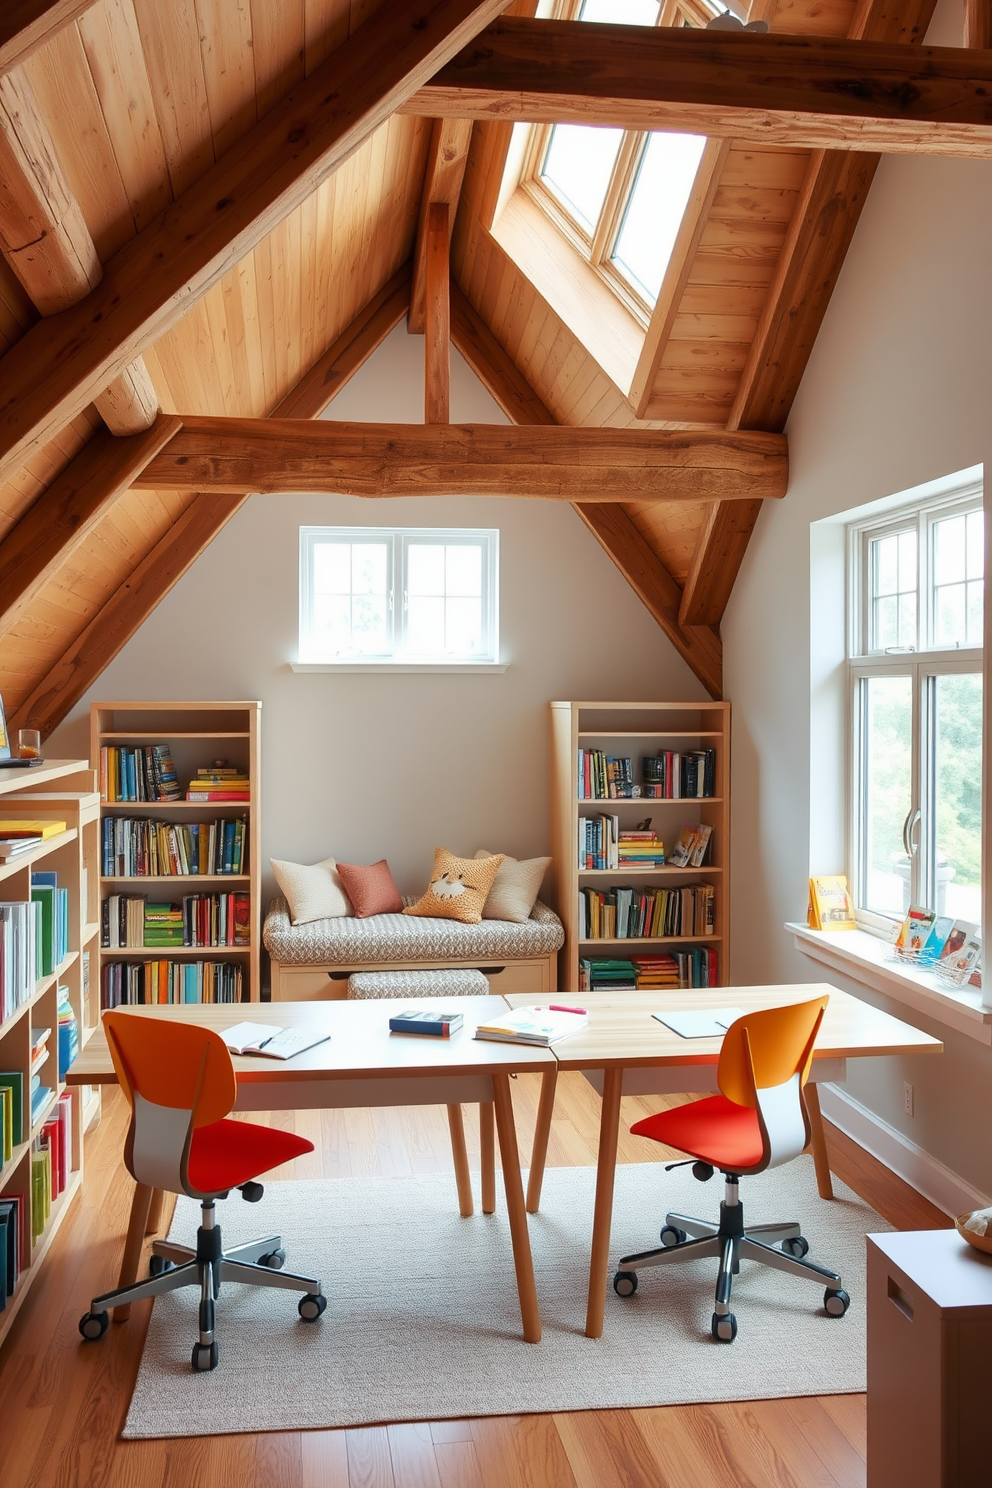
458 887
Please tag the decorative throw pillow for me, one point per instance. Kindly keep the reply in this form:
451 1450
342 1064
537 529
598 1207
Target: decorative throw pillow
517 886
458 887
312 893
370 888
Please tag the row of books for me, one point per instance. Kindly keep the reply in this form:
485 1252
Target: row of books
135 847
144 773
20 933
953 946
622 913
200 920
605 777
219 782
18 837
602 844
671 775
144 982
696 966
52 923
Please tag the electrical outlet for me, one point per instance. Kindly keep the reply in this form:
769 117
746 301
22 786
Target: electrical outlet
907 1098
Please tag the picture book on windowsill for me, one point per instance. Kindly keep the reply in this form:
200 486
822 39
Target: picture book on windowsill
830 906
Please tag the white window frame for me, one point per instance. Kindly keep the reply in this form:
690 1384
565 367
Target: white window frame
922 664
399 541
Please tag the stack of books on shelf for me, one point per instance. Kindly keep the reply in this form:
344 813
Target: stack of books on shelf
11 1244
145 982
134 847
219 783
655 972
671 776
603 777
163 925
641 848
52 923
695 967
19 837
19 936
604 975
145 773
623 913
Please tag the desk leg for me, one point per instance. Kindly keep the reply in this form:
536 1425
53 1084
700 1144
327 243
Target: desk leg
517 1214
136 1231
459 1153
542 1132
818 1142
609 1131
487 1136
154 1223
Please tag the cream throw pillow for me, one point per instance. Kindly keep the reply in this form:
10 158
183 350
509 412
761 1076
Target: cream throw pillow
313 893
517 886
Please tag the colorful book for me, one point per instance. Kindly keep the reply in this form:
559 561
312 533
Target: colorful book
915 930
830 906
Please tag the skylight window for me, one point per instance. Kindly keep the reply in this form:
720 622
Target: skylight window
578 165
655 208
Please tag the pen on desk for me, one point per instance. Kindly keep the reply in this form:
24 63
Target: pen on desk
557 1007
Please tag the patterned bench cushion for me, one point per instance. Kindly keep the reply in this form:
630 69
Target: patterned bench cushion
443 983
397 937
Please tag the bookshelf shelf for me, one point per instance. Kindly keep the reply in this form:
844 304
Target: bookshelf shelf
58 791
635 731
197 733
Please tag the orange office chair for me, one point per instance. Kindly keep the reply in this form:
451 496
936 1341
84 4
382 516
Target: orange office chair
180 1083
759 1121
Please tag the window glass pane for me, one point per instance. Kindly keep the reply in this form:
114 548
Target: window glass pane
464 626
577 166
444 600
656 208
956 870
369 625
893 602
425 569
887 792
332 568
368 568
620 12
464 570
425 626
350 599
958 584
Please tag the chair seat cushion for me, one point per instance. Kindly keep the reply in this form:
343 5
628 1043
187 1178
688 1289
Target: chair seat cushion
227 1153
715 1130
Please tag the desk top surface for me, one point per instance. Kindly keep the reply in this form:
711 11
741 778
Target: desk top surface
622 1031
360 1044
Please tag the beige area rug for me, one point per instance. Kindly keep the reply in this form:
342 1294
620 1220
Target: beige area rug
422 1320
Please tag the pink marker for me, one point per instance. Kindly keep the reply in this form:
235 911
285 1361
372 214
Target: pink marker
557 1008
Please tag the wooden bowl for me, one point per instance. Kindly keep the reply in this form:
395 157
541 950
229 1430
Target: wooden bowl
980 1242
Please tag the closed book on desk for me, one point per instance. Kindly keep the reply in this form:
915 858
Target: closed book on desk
426 1021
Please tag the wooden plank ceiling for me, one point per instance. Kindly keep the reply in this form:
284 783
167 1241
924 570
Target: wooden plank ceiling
141 98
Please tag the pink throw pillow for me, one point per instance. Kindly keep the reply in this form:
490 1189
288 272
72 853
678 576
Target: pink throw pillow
370 888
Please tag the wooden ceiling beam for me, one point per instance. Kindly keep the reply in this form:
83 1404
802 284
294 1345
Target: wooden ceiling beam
437 316
826 214
978 24
62 517
45 240
810 92
558 464
135 599
447 157
25 25
53 371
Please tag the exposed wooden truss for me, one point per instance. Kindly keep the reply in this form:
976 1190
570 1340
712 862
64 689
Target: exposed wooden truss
558 464
65 360
978 24
447 157
25 25
437 314
815 92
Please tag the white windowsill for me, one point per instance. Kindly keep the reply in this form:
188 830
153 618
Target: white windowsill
856 954
438 668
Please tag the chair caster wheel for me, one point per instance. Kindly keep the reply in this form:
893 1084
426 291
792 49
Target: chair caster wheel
158 1265
836 1301
204 1357
93 1325
797 1246
702 1172
724 1329
625 1283
671 1236
251 1192
311 1306
275 1260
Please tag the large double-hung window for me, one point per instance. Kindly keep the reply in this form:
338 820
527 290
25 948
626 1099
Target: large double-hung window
916 616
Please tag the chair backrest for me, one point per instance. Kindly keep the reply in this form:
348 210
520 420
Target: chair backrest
176 1077
764 1063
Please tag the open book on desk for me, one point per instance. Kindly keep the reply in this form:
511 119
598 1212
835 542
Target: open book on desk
270 1042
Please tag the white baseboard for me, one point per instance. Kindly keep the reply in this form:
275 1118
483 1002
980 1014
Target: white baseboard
926 1174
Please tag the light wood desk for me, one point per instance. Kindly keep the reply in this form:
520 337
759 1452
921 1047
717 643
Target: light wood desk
623 1050
363 1064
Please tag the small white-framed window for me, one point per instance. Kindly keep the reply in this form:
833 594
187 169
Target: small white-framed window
916 591
399 595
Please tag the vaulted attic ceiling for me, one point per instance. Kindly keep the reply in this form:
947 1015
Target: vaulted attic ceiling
121 116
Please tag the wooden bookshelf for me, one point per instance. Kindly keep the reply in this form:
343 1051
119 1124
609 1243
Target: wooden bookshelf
637 730
59 790
197 733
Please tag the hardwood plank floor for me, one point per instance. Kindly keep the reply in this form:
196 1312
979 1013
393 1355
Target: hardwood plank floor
63 1403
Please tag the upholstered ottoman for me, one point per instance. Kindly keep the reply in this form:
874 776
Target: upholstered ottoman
458 983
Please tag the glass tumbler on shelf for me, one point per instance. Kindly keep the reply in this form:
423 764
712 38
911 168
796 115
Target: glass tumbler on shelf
28 743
